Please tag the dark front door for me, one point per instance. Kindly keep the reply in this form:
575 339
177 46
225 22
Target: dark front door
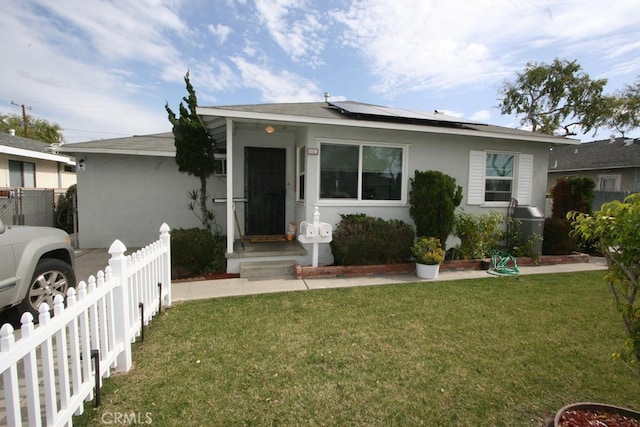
265 190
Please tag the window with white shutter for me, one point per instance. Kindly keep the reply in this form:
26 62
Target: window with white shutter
497 177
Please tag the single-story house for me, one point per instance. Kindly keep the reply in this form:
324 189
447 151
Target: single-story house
32 175
277 162
613 164
26 163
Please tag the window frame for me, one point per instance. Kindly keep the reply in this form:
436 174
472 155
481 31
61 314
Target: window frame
222 160
617 178
22 173
359 201
301 173
522 187
512 179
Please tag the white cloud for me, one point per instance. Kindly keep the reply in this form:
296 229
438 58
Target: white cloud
69 73
428 44
119 29
295 27
277 87
482 116
220 31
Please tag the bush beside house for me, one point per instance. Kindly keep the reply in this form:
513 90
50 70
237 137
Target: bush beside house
478 234
196 251
434 197
363 240
569 195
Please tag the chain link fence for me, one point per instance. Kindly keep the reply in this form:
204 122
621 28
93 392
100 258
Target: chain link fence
26 206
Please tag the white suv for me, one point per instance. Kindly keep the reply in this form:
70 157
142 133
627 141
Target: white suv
36 264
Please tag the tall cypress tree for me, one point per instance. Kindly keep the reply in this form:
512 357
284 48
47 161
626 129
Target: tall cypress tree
194 149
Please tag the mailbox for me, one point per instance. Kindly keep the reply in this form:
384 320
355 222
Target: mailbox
308 229
324 229
314 233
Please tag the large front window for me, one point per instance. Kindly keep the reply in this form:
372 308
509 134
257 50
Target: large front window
361 172
499 177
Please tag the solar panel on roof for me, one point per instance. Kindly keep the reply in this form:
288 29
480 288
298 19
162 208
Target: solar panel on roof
395 113
356 108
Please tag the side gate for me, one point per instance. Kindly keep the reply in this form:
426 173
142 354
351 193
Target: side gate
27 206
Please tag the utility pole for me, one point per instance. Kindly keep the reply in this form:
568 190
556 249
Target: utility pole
24 117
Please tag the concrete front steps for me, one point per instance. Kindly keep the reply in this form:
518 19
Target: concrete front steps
268 269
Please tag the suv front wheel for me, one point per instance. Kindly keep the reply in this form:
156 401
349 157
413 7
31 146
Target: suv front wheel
51 277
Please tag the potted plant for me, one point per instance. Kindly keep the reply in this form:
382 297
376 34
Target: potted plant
428 254
589 413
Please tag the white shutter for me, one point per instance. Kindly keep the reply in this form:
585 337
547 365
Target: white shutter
525 179
475 188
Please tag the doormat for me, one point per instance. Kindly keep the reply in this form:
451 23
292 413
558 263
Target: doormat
261 239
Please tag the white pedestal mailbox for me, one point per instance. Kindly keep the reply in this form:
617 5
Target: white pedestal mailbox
315 232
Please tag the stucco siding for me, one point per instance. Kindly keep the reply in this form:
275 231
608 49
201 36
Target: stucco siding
129 197
446 153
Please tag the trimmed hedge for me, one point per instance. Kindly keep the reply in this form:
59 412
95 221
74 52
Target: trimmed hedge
363 240
196 251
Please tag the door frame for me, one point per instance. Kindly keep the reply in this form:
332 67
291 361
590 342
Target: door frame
281 213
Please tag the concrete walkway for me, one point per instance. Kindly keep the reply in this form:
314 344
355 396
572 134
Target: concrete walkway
185 291
89 261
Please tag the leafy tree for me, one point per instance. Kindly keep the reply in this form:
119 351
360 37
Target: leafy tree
614 230
626 109
434 197
551 97
37 129
194 151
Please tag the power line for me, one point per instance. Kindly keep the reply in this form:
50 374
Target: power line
96 131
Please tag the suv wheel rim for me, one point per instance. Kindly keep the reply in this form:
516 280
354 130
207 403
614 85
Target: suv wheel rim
46 286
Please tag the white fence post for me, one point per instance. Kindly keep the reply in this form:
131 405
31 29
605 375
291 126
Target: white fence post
121 305
165 238
46 375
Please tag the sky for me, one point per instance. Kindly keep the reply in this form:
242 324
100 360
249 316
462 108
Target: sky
104 69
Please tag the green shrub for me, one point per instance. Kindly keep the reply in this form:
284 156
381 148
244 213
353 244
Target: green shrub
197 251
65 209
363 240
516 245
572 195
434 197
427 251
478 233
557 239
614 230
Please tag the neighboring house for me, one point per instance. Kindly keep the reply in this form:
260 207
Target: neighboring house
26 163
613 164
32 175
278 161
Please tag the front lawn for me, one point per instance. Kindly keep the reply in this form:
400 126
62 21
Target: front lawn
481 352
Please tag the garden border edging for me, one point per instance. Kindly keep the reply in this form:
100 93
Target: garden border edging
304 272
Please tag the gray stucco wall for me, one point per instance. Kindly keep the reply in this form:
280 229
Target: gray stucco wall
447 153
129 197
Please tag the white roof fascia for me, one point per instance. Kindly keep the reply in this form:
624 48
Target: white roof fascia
35 154
232 114
120 151
592 168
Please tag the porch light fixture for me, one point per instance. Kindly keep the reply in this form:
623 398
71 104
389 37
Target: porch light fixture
269 129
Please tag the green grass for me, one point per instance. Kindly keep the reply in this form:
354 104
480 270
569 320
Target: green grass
482 352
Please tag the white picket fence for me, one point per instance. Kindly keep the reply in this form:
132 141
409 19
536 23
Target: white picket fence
52 367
